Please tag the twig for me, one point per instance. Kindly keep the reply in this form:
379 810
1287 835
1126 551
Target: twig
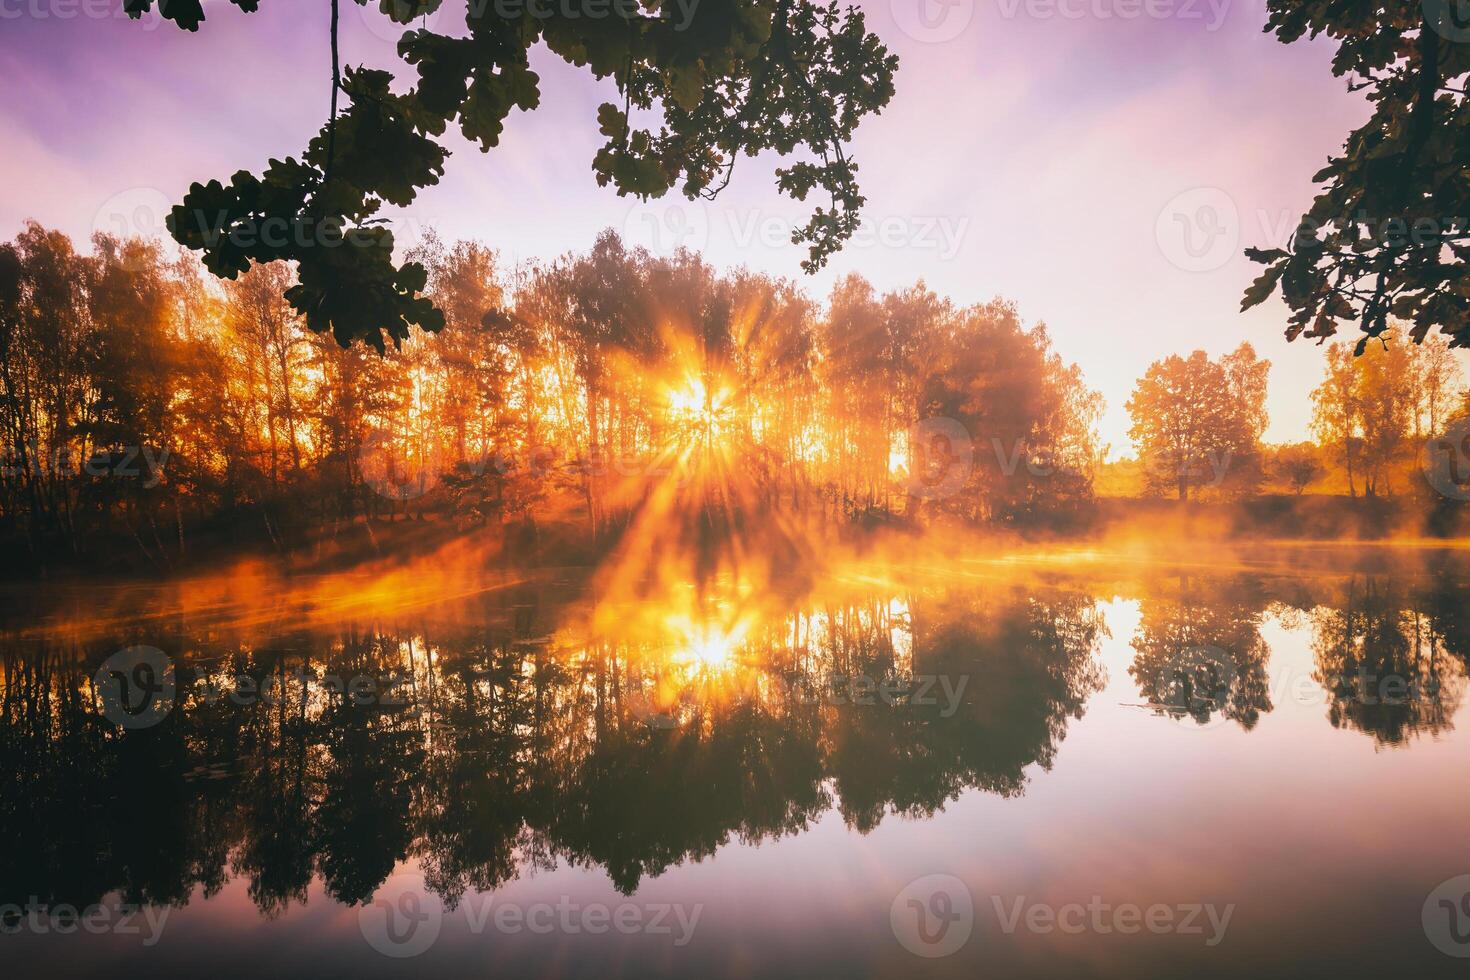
336 87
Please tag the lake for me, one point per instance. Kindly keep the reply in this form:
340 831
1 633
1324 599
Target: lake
1052 762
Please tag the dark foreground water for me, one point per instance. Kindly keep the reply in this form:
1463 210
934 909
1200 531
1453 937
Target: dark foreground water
1077 765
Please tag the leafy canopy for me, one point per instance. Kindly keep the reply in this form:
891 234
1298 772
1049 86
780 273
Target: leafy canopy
1389 233
1197 421
722 78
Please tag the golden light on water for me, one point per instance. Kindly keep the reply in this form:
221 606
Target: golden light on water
709 647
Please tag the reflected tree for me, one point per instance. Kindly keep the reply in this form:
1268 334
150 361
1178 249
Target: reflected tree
1200 651
1385 664
501 750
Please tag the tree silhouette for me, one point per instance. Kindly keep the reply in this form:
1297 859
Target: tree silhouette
505 756
724 80
1389 234
1385 665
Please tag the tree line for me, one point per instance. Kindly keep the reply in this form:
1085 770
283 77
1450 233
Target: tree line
144 402
147 404
1199 423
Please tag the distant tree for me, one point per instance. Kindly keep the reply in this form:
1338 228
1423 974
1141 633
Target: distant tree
1337 414
774 351
484 357
604 380
1195 421
742 77
1030 417
601 318
1247 376
1389 234
272 351
868 366
132 367
1298 466
45 344
1386 396
1364 414
1435 384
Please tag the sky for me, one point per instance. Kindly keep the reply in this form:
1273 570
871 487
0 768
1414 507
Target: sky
1101 163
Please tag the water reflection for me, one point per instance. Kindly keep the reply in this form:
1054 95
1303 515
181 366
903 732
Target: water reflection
529 732
1393 665
1200 650
487 751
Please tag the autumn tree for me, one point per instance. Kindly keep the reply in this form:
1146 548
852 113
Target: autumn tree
91 362
595 311
586 388
1195 421
1026 414
44 342
1385 394
132 369
1436 383
774 349
1298 466
1371 413
868 362
271 349
486 401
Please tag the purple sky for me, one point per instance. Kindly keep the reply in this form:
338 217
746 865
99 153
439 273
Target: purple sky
1037 150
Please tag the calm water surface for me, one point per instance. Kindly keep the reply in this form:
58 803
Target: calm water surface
1074 765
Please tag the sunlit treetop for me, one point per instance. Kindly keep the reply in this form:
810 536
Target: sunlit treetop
1389 234
721 79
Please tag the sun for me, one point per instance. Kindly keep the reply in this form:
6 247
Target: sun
696 405
688 401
